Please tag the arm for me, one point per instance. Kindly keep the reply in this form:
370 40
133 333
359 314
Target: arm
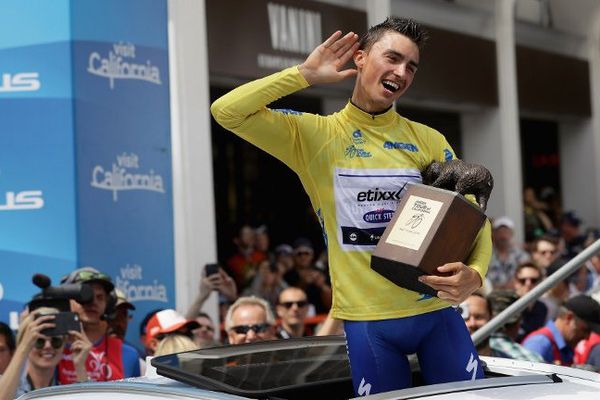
282 133
331 326
221 282
80 348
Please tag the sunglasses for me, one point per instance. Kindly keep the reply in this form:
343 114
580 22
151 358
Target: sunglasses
544 252
303 253
289 304
88 275
55 341
243 329
534 281
161 336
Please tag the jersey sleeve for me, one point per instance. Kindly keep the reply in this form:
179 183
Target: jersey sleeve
286 134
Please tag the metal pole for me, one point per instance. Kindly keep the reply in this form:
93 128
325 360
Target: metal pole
547 284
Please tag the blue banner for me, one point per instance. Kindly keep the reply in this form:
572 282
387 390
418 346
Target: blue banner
122 127
85 153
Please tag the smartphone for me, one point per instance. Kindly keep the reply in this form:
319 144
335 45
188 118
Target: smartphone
65 321
211 269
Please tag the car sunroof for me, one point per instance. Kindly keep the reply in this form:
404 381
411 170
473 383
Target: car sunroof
261 368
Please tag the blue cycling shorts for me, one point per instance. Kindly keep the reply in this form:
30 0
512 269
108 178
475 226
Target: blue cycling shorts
378 351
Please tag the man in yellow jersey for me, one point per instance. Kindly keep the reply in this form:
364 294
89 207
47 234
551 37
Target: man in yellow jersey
354 165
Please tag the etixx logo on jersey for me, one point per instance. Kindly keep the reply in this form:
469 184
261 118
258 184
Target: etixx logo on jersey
20 82
121 63
124 175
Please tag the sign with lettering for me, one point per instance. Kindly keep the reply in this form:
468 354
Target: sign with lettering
282 33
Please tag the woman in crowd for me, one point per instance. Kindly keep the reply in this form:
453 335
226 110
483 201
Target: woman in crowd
33 365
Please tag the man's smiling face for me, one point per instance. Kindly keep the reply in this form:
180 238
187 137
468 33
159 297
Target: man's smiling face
385 71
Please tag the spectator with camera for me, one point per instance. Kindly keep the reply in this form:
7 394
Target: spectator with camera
214 279
268 283
39 352
110 358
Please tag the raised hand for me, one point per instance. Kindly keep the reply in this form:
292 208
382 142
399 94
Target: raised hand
32 326
325 63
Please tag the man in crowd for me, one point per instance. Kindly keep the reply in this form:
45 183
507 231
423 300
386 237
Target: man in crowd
166 322
109 358
119 320
204 334
556 341
248 320
503 340
544 250
554 298
506 254
528 276
292 309
476 312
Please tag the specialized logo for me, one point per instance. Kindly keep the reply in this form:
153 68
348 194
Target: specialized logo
378 216
448 155
25 200
364 389
400 146
131 281
20 82
120 63
119 177
378 195
425 296
472 366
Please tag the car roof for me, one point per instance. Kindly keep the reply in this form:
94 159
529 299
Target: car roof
505 378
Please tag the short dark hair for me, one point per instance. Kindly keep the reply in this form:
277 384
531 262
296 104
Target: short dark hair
9 336
407 27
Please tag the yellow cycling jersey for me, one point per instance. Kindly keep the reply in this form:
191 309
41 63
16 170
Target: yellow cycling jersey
354 167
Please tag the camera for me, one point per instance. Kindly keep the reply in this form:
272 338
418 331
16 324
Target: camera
58 297
65 321
211 269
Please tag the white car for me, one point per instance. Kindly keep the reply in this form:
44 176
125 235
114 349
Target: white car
317 368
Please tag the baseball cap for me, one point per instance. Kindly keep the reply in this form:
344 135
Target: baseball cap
122 300
571 218
586 309
284 249
167 321
89 275
500 300
503 221
303 243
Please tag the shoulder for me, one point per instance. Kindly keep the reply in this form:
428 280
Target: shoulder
536 340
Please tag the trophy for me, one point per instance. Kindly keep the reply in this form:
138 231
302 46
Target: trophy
431 227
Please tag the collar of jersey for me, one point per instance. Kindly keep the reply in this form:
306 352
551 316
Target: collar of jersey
361 117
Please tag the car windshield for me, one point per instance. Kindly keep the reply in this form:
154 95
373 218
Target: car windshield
263 368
